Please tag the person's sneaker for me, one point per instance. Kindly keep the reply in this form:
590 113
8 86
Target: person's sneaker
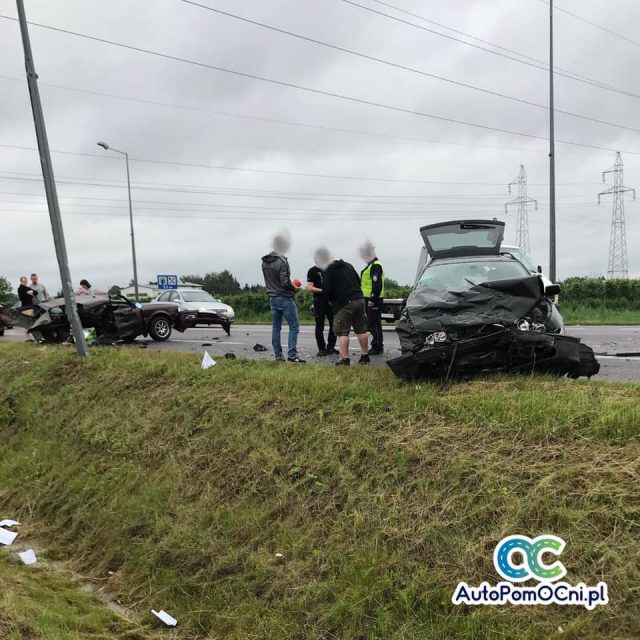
343 362
296 360
364 359
280 359
322 353
333 352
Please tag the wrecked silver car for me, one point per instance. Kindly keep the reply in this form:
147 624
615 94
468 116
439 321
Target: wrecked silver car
112 318
475 310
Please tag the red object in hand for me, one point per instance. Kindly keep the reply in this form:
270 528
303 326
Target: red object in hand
297 283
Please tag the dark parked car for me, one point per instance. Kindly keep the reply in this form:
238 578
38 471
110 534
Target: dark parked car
474 310
112 318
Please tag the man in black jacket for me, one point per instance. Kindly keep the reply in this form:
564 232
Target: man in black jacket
342 288
277 280
322 309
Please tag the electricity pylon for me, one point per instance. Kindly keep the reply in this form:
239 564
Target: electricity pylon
522 222
618 266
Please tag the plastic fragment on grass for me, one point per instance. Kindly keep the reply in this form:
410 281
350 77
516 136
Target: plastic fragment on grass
169 620
8 523
207 361
7 537
28 557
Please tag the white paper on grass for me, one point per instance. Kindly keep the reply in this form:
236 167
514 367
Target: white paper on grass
169 620
7 537
28 557
207 361
8 523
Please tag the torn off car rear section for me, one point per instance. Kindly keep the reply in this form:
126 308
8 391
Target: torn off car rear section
506 325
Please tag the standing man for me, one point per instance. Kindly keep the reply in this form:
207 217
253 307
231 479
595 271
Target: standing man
26 293
341 286
322 309
277 280
372 283
42 295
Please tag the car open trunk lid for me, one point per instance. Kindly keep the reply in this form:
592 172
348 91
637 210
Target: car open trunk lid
459 238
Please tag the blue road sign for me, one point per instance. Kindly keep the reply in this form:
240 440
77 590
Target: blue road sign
167 282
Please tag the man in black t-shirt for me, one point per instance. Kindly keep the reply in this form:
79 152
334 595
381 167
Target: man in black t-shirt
322 310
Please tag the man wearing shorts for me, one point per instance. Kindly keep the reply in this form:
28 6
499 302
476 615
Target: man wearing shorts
342 288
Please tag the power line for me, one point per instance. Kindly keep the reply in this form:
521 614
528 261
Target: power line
594 83
406 68
296 124
291 85
83 181
593 24
544 63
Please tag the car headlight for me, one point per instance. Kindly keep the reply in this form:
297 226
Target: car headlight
432 338
231 312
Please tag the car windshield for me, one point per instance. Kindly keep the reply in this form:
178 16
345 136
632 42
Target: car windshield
458 276
520 255
198 296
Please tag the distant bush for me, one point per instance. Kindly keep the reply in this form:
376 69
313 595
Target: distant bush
593 292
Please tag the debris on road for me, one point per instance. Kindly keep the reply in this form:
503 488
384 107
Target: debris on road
259 347
230 356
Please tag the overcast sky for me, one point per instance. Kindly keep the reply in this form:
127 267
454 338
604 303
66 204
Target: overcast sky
333 171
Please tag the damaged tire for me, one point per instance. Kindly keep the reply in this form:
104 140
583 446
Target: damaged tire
160 328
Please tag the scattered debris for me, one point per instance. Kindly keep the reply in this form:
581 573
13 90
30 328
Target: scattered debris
28 557
259 347
230 356
7 537
207 361
279 556
206 344
8 523
169 620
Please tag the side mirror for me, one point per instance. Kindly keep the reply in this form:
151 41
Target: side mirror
539 269
552 290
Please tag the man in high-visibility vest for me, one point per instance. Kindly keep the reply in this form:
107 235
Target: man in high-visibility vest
372 283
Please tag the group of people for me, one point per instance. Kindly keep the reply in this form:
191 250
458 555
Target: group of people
342 297
32 292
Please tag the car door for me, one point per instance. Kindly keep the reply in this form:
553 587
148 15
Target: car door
128 320
461 238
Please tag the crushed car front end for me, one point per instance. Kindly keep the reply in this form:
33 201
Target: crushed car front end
506 325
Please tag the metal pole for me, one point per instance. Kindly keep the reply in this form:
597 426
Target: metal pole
50 187
552 158
133 238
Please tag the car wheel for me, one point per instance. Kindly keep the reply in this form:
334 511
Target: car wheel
227 328
160 328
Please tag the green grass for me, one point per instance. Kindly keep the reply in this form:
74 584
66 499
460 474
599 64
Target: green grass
39 603
176 488
580 314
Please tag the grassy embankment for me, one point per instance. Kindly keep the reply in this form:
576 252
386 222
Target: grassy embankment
174 488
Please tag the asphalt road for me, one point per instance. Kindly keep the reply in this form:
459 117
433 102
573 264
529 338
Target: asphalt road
618 348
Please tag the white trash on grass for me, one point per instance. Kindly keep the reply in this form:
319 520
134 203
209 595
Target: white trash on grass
169 620
8 523
28 556
207 361
7 537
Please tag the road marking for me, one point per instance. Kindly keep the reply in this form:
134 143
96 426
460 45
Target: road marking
617 358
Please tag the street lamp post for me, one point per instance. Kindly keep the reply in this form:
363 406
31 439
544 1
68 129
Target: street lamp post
106 147
552 158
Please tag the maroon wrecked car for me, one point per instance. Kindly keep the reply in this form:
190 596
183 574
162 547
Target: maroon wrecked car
113 319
